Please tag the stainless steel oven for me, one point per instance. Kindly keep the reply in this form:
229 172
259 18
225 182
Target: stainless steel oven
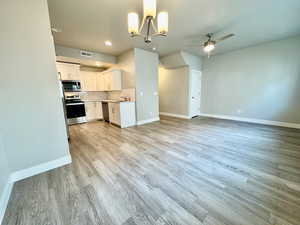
75 111
71 85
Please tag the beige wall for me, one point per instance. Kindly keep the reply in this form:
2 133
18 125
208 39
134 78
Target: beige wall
260 82
32 120
173 90
146 73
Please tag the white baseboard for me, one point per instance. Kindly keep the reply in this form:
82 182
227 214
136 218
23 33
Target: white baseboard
4 198
148 121
22 174
175 115
249 120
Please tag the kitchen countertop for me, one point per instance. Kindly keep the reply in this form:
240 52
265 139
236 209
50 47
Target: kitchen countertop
116 101
111 101
92 100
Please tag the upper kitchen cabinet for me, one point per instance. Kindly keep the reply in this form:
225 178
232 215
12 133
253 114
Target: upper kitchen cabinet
100 82
115 80
68 71
110 80
88 81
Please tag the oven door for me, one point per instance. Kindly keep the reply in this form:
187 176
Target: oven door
75 110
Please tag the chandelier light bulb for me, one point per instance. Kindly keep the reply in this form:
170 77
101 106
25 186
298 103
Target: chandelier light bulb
133 23
149 8
147 30
163 22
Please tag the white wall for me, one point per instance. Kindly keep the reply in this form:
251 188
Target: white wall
126 62
75 54
32 120
146 73
4 179
260 82
181 59
174 83
174 90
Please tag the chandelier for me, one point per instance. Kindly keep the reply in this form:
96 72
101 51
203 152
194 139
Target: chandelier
147 24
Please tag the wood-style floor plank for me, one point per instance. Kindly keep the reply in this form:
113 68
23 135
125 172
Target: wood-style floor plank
173 172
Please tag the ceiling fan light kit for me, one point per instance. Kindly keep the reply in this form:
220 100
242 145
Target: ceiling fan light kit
210 44
148 22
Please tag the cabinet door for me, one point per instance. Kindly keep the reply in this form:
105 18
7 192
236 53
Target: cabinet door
89 110
74 72
88 81
107 81
68 71
61 69
98 110
84 80
116 80
114 116
100 86
92 80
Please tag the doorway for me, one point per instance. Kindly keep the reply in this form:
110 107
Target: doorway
195 93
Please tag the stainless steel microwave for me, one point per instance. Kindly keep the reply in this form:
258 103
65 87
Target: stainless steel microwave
71 85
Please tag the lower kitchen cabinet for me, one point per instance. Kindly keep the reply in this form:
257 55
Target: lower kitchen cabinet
93 110
122 113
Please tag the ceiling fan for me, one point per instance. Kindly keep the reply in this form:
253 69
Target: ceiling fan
210 44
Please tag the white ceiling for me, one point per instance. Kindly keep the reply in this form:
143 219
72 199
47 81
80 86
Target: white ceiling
86 24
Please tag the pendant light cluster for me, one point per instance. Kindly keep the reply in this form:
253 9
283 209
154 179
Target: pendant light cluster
147 24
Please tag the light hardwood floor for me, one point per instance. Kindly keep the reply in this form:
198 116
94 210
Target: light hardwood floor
202 171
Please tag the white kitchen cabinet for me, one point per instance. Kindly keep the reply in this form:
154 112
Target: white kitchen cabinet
100 82
110 80
93 110
88 81
122 113
99 113
107 82
115 80
68 71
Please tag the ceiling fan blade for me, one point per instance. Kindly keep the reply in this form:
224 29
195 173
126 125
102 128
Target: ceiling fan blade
224 38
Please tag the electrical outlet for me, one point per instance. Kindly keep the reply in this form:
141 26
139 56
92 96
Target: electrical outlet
142 93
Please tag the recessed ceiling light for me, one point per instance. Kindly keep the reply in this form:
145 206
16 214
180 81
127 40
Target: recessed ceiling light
98 64
154 48
108 43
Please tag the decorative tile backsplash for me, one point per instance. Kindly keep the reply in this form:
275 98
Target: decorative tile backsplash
116 95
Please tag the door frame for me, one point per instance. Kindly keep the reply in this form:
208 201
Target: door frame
190 91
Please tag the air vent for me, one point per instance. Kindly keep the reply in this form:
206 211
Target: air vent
86 54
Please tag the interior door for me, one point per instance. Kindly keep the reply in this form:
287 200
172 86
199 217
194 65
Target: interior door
195 93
